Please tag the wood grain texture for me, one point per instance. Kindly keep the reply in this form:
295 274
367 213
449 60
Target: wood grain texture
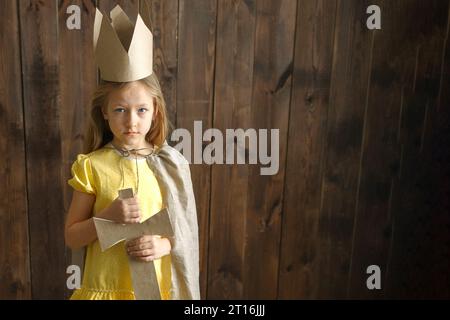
440 173
232 109
299 272
271 93
15 278
195 92
77 81
345 123
415 270
379 165
40 67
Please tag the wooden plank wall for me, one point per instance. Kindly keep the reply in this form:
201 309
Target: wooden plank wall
15 272
363 119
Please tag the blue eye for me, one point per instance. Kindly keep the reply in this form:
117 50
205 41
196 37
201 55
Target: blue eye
142 110
119 109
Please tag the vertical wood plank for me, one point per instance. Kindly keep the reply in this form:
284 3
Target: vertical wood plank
379 155
77 66
195 86
272 84
162 17
444 93
40 68
77 82
15 280
299 268
413 266
407 29
441 172
348 102
232 109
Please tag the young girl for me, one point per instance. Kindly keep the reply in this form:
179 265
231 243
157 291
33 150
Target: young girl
126 149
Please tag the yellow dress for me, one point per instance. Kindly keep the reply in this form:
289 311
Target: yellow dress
102 173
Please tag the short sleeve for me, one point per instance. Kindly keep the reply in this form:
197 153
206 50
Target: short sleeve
82 178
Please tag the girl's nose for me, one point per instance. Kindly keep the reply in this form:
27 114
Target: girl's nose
132 119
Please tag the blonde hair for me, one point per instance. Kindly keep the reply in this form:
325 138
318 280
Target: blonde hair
98 132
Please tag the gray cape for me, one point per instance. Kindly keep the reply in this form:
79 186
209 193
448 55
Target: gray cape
171 170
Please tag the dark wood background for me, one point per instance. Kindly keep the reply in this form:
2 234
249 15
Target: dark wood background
364 119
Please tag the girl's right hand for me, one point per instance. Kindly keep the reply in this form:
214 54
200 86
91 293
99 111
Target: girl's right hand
122 211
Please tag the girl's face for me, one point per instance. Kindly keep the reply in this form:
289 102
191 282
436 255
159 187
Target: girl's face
130 112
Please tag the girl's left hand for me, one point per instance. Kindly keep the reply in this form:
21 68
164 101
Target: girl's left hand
148 247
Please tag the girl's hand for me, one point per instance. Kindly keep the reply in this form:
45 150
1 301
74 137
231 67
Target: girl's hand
122 211
148 247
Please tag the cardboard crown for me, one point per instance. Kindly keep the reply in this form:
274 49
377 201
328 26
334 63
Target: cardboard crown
123 51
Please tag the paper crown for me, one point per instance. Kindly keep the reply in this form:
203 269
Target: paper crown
123 51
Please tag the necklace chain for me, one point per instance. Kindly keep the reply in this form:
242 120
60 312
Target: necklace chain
126 153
